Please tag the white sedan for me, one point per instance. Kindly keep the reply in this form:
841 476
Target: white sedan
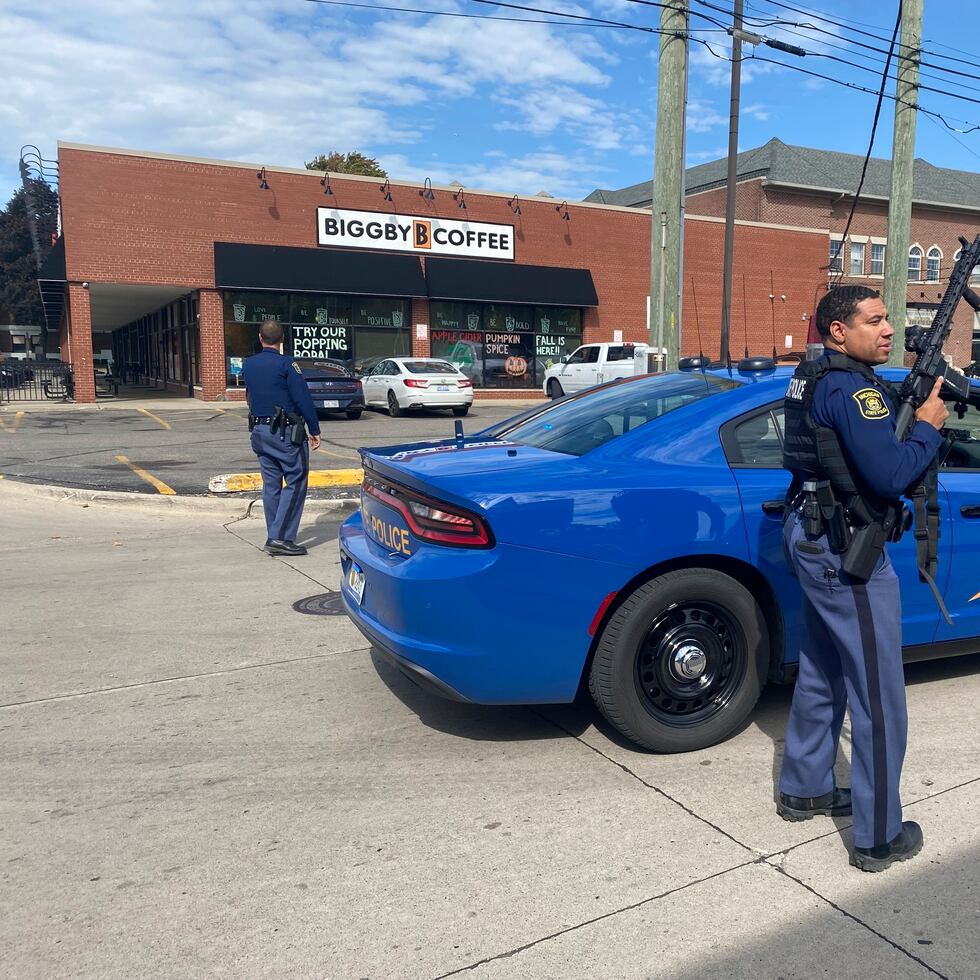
401 383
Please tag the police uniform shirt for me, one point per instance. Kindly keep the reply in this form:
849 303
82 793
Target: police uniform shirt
273 379
863 417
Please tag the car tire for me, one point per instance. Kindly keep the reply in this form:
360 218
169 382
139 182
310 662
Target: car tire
682 661
354 414
461 411
394 409
555 389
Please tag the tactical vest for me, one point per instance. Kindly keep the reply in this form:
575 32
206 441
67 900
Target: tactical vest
813 452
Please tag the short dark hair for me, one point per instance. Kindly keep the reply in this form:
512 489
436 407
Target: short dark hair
841 303
270 332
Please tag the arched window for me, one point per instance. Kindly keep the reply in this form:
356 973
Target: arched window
915 263
933 259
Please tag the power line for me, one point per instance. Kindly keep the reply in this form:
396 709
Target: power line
874 129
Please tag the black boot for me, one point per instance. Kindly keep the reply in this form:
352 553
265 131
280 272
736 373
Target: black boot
904 845
835 804
277 547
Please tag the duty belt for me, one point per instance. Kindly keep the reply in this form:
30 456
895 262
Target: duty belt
260 420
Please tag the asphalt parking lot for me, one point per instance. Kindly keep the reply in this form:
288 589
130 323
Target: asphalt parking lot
160 445
200 781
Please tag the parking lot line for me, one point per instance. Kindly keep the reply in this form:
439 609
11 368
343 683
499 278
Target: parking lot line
156 418
160 486
12 427
240 482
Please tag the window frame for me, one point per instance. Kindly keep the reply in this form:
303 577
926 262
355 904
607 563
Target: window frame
732 448
915 251
871 267
934 253
861 247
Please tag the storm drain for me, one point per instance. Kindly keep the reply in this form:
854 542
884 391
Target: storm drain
326 604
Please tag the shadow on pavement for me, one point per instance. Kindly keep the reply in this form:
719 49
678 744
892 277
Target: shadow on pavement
482 723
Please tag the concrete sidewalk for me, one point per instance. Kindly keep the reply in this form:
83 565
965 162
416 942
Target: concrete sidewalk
199 781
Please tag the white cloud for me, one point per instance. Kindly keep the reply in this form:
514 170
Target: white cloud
281 80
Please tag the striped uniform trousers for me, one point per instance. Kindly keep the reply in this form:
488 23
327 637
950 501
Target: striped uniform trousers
279 461
850 657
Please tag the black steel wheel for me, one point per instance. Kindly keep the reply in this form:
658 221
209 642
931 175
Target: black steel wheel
353 414
682 661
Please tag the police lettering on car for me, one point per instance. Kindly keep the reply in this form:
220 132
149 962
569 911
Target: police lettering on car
280 408
849 471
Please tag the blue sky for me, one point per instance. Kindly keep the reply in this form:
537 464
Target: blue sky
512 107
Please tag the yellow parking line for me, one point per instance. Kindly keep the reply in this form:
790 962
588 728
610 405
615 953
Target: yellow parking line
239 482
13 425
160 486
156 418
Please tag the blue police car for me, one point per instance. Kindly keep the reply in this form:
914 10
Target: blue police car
627 538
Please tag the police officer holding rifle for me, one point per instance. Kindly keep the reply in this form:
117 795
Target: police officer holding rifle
855 445
280 407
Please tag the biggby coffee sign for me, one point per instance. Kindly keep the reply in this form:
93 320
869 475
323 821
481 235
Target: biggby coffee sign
412 233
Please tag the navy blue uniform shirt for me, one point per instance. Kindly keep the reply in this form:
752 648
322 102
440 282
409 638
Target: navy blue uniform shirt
273 379
863 417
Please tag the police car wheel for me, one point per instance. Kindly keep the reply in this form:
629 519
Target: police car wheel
555 389
394 409
681 663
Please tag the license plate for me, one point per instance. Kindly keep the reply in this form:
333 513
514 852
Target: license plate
355 581
329 404
442 387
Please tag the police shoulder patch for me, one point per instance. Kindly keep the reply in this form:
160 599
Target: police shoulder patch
297 368
871 403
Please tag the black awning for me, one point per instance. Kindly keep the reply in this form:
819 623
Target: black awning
497 282
316 270
51 282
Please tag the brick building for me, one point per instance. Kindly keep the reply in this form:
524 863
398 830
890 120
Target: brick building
177 259
797 186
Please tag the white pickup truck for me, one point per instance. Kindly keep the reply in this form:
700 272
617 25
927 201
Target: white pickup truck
593 364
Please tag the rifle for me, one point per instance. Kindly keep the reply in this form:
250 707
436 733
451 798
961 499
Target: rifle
927 344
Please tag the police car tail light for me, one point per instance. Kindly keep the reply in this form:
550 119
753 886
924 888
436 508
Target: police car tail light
416 383
432 520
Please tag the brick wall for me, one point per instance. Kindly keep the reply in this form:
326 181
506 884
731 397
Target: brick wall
80 342
142 219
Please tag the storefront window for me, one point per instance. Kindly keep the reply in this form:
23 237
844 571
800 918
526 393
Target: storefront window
516 346
256 307
463 348
315 342
456 316
316 326
380 312
320 308
498 317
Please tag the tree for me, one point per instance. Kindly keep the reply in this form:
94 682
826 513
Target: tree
347 163
20 299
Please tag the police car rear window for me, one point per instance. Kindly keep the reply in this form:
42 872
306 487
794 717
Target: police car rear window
584 422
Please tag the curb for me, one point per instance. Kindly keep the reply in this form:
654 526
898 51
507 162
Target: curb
158 503
318 479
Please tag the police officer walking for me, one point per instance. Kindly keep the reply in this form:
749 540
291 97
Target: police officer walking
849 471
279 403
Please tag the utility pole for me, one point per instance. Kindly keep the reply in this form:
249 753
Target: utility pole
668 182
903 155
726 289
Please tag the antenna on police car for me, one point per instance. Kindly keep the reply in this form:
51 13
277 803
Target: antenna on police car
772 310
458 426
745 319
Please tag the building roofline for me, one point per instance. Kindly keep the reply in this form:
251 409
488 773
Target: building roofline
303 171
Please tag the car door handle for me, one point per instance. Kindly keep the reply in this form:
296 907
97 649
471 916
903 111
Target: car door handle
773 508
970 510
